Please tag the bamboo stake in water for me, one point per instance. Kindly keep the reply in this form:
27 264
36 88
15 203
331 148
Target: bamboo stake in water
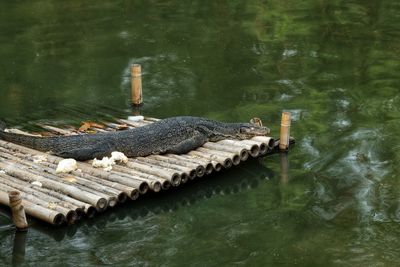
18 211
285 131
136 85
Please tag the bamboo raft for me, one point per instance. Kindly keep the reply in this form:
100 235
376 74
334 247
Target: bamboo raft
59 198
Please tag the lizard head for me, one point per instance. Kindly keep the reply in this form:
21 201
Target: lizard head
248 130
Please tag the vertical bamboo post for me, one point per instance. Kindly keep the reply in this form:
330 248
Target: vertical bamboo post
285 131
18 211
136 85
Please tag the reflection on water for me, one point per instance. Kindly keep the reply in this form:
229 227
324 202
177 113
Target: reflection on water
333 200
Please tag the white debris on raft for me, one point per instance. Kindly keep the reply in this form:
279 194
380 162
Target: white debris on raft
2 171
119 157
36 183
66 165
135 118
39 158
106 163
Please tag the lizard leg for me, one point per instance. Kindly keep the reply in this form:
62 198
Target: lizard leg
188 144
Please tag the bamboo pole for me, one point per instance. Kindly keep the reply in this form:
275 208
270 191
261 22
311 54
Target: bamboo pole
225 162
207 164
285 131
115 176
85 167
148 178
263 148
18 211
267 140
136 85
87 185
253 149
57 130
133 123
30 189
36 211
199 169
172 176
242 152
15 170
165 165
119 178
69 214
233 156
66 201
111 194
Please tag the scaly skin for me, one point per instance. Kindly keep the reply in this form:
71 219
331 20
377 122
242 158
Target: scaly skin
175 135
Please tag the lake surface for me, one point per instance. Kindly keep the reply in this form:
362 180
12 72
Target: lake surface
333 64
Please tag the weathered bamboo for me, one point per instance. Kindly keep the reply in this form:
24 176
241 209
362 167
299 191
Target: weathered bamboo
18 131
253 149
234 157
15 170
225 162
151 119
95 186
115 176
89 210
263 148
172 176
285 131
112 195
207 164
57 130
25 188
70 215
199 169
165 165
17 209
267 140
39 212
132 123
152 180
136 85
242 152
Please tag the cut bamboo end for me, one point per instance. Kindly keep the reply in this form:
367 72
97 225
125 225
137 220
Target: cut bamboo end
285 131
136 85
18 211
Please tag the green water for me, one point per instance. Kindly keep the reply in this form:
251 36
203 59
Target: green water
333 64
